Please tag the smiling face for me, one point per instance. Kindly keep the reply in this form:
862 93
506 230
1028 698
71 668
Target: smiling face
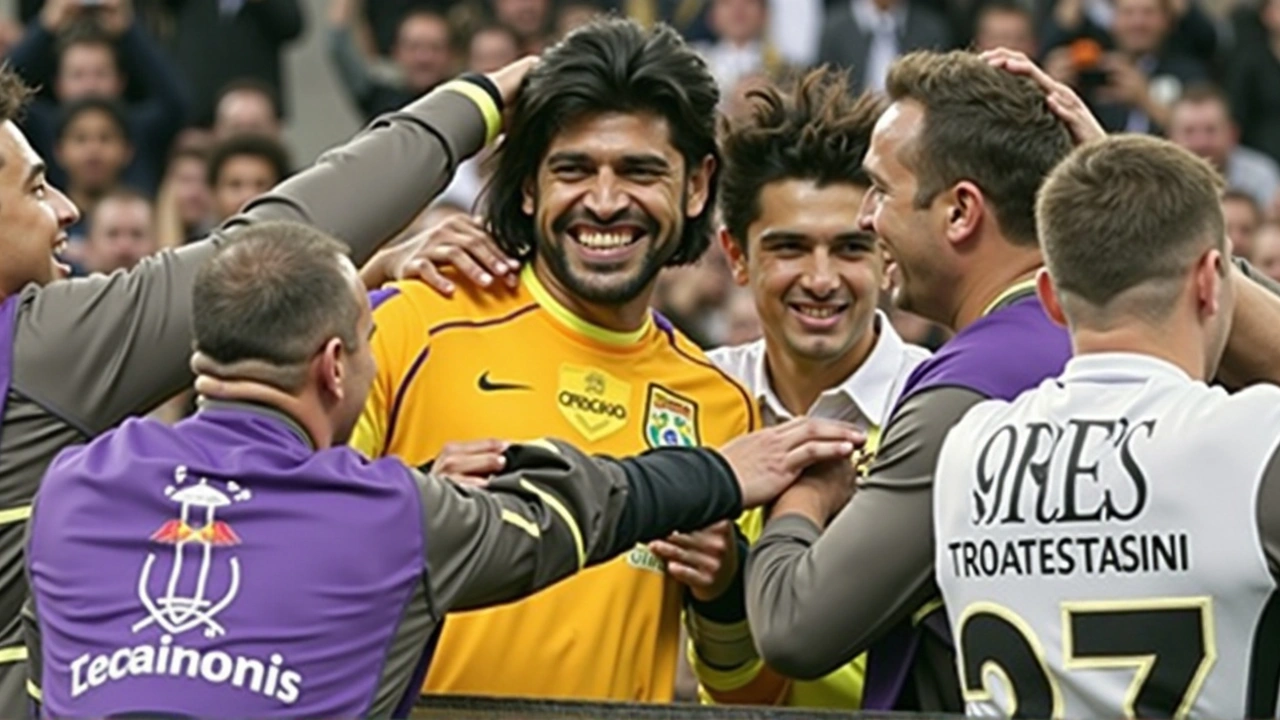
814 273
609 205
912 234
33 216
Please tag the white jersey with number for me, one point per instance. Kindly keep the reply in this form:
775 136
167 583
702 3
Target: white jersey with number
1098 547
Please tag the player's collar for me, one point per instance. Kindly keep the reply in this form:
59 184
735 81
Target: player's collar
566 317
1120 367
1010 295
214 405
867 389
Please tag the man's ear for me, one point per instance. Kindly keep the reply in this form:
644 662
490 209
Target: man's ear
1209 277
886 281
331 366
964 205
698 187
737 257
1048 295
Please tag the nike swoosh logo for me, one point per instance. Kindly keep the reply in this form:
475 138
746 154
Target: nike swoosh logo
489 386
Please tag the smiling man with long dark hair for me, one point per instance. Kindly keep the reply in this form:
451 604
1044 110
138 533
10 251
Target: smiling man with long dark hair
607 177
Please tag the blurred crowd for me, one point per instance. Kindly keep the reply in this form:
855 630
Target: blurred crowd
162 117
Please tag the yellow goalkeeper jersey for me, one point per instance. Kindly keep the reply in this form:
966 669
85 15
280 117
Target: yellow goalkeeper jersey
515 364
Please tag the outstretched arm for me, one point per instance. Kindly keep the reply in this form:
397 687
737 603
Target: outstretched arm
1253 346
817 599
558 511
97 349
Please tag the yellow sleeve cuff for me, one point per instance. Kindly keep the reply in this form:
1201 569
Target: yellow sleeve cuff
488 108
723 679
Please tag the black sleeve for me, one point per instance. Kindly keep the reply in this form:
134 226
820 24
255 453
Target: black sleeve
680 488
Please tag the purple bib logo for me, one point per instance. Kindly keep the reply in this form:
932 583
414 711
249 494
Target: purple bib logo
203 579
197 522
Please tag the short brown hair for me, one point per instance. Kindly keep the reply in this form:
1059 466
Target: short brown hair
14 94
981 124
816 130
270 298
1129 211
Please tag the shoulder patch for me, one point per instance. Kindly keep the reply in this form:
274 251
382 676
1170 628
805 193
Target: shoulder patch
671 419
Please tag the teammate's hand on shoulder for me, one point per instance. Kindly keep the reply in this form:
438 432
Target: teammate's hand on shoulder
460 242
1062 100
767 461
470 463
705 560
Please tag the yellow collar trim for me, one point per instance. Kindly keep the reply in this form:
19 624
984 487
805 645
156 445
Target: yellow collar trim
1009 292
566 317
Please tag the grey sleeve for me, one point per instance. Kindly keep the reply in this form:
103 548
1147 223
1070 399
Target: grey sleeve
95 350
556 511
816 600
1269 514
1254 339
1262 279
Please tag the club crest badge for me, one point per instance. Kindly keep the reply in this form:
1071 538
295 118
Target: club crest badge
670 419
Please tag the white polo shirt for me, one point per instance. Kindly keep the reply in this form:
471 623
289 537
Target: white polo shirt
865 398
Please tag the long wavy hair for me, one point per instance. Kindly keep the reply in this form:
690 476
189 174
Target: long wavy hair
610 65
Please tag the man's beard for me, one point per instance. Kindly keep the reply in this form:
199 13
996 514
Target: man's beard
612 293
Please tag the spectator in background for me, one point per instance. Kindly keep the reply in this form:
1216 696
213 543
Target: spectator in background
83 52
741 49
122 234
246 107
574 14
379 21
795 29
693 298
529 19
1191 30
93 148
688 17
866 36
184 205
1253 82
216 42
491 47
1006 23
422 55
1266 251
1131 88
1200 121
1243 218
10 35
241 168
